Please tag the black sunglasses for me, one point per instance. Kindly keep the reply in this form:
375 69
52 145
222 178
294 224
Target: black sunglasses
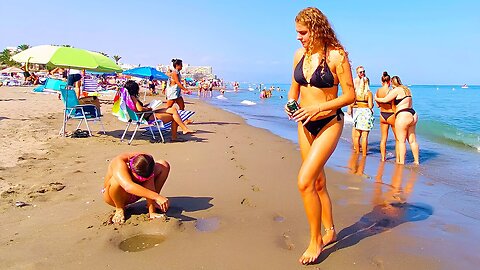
363 71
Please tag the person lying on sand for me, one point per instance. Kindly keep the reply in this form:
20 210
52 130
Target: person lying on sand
132 176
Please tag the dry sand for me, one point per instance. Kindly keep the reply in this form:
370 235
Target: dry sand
234 202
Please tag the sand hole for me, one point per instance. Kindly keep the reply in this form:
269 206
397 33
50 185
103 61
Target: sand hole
141 242
207 224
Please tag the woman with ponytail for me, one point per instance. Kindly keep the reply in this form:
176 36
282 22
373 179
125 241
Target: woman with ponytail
405 119
387 114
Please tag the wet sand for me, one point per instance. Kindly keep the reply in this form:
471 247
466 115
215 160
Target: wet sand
234 202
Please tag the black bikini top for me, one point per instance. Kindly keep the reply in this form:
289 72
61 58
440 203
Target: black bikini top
397 101
322 77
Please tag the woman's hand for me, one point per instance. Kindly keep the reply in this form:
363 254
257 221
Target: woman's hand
306 113
288 112
162 203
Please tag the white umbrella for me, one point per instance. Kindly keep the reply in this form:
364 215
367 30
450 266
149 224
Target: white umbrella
11 70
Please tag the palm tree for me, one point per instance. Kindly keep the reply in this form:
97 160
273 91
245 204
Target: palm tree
117 58
6 58
23 47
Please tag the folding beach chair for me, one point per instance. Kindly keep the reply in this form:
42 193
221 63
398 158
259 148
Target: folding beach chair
73 110
90 85
121 109
184 115
138 118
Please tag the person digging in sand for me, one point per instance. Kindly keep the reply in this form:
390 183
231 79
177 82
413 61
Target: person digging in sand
132 176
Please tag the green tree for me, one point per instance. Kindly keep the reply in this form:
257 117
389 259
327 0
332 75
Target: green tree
23 47
117 58
6 58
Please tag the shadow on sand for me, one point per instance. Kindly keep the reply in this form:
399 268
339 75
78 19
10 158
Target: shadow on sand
178 207
381 219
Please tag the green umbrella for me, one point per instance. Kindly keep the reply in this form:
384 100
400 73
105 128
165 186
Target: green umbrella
67 57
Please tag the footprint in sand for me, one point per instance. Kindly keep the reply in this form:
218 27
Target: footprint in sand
255 188
286 241
241 167
54 186
247 202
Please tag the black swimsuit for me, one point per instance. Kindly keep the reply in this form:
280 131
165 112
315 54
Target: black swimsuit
322 77
386 115
314 127
410 110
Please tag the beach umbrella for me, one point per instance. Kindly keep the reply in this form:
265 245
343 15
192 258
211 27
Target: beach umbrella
146 73
67 57
11 70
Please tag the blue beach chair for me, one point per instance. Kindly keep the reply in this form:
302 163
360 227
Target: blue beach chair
73 110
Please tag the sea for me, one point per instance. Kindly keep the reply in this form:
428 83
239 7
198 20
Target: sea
448 130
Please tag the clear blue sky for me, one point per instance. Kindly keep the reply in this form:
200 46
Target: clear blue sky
424 42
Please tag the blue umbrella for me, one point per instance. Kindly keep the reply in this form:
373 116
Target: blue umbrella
146 73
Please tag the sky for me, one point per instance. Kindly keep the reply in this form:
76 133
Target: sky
422 41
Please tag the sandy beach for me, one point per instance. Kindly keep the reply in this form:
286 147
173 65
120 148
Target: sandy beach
234 201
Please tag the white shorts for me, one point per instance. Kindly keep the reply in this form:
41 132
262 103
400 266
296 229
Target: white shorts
173 92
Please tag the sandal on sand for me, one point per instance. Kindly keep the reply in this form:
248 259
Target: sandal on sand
80 134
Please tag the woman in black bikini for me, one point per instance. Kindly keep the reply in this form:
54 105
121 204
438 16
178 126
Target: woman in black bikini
405 119
387 117
319 66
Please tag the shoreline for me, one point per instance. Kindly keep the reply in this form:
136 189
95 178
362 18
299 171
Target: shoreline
234 201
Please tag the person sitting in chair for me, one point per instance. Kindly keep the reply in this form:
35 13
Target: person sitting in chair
132 176
164 114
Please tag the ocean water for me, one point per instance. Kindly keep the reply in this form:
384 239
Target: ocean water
448 130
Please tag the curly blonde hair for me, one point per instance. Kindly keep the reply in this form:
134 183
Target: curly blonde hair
319 27
320 31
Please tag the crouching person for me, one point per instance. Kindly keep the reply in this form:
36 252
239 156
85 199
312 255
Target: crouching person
132 176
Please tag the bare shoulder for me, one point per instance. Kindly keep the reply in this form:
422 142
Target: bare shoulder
298 54
337 55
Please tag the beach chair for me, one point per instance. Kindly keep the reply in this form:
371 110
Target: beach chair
73 110
184 115
122 109
53 85
138 118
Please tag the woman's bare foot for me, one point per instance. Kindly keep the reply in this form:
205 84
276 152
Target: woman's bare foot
330 236
119 216
312 252
188 121
188 131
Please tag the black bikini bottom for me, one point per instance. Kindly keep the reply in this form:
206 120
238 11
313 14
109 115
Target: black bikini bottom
410 110
314 127
386 115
